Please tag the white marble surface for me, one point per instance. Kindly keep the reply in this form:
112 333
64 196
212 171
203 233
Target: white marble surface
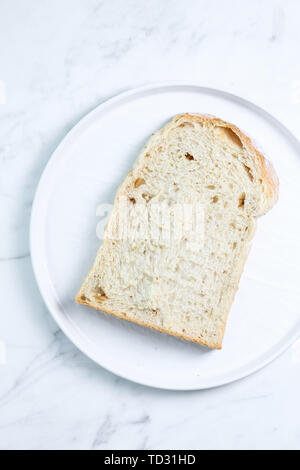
58 60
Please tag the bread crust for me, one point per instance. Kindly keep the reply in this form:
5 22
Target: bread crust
267 175
141 323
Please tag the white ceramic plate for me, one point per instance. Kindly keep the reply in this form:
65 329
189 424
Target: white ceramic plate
86 170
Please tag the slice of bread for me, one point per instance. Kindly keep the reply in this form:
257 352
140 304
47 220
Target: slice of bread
180 231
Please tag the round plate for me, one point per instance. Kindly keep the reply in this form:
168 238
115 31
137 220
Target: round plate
85 172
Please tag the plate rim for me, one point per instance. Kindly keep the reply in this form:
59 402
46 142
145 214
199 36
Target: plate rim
253 367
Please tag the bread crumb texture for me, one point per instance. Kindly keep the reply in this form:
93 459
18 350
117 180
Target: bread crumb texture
183 285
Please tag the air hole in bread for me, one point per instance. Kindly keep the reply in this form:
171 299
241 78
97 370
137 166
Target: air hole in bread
186 124
98 290
147 197
228 135
139 182
100 298
211 186
242 200
248 171
100 295
215 199
132 199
